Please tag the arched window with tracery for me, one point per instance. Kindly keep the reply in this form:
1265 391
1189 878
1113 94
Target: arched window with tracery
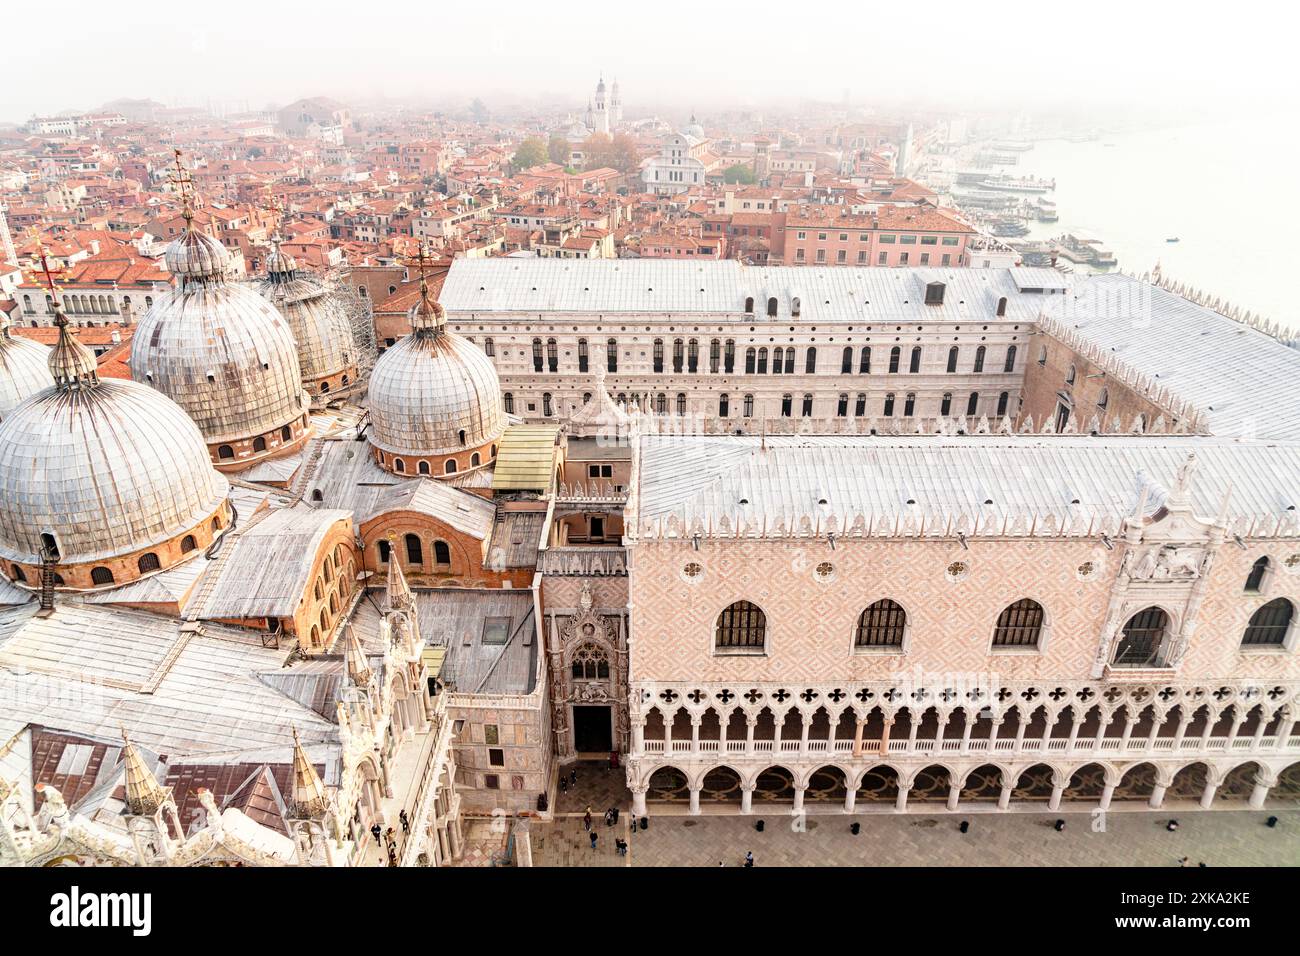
1139 643
882 624
741 627
590 662
1019 625
1269 625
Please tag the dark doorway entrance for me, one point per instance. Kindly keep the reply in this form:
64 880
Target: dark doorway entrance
591 730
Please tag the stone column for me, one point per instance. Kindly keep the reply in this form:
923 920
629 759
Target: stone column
638 736
1004 795
1263 784
1207 795
1076 722
695 733
746 799
884 735
1130 721
966 730
1021 726
857 737
850 800
1058 790
750 724
954 794
638 801
695 800
798 798
900 805
1157 796
1264 719
1107 792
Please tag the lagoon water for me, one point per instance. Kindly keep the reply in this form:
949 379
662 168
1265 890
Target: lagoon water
1227 191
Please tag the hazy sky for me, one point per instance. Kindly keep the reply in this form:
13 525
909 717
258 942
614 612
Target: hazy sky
666 53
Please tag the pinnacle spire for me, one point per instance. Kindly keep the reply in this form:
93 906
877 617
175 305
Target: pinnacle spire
72 364
144 794
307 798
427 316
358 667
399 592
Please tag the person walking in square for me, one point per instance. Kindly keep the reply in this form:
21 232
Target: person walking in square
586 819
378 833
593 836
406 821
749 858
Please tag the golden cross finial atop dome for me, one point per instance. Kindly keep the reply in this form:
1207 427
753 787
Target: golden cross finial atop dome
48 275
184 183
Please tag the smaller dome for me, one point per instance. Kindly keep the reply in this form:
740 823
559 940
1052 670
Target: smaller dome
24 369
196 255
318 322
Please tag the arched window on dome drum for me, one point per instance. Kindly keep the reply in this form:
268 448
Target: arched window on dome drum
101 575
537 355
952 358
17 573
1019 625
49 547
1139 644
225 452
441 554
658 355
1255 580
414 550
582 355
510 403
450 467
552 355
188 544
259 443
461 435
1268 625
475 460
882 624
741 626
324 387
399 466
423 468
1010 364
316 495
494 451
148 562
611 355
590 662
286 433
345 380
384 549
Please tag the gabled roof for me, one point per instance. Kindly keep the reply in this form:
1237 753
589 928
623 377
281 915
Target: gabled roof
526 458
466 512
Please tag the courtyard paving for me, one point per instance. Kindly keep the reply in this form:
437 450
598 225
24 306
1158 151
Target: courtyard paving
1217 838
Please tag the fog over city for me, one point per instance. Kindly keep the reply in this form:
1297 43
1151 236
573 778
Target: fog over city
1157 60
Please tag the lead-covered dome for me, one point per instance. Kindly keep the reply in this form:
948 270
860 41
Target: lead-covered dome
326 353
224 354
434 395
92 471
24 369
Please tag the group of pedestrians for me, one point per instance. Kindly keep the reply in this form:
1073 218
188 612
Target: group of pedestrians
388 838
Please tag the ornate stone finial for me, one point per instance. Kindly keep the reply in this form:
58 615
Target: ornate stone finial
399 592
308 799
358 667
144 794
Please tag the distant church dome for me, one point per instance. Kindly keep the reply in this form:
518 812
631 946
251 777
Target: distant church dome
225 355
435 399
108 479
24 368
327 354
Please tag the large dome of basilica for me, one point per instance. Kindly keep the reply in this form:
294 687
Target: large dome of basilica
225 355
435 399
109 479
24 368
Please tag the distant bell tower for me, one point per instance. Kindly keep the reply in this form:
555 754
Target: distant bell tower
601 117
615 105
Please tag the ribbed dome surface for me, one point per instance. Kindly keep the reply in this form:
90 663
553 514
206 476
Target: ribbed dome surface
24 370
319 325
427 388
225 355
109 470
196 255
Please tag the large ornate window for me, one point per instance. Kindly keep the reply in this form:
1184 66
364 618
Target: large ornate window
590 662
1019 625
1139 644
742 627
882 624
1268 626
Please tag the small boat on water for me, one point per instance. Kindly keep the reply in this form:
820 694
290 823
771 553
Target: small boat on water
1174 239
